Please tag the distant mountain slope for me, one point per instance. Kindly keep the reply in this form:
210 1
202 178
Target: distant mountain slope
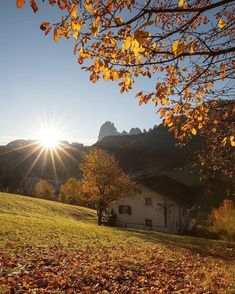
145 153
19 161
155 151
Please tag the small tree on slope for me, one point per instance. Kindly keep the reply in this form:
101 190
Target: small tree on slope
71 191
104 181
44 189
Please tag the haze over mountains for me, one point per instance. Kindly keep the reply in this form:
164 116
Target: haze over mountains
139 153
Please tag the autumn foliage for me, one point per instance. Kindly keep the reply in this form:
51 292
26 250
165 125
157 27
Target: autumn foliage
50 247
223 219
186 47
71 191
44 189
103 181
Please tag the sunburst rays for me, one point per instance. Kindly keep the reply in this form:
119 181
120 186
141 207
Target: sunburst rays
51 155
43 155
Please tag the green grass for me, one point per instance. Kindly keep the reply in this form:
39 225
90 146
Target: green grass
26 220
109 259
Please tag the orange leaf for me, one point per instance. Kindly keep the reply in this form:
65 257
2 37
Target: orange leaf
80 60
109 5
44 26
162 112
34 6
56 35
20 3
74 12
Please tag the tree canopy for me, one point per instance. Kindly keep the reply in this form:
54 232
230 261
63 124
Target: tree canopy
44 189
186 46
71 191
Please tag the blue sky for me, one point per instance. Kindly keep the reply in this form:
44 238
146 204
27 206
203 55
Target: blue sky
40 80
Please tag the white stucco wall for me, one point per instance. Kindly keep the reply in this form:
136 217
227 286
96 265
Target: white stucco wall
140 212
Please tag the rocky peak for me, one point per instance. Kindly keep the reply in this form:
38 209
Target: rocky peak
135 131
107 129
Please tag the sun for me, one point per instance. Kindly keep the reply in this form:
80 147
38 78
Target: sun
49 138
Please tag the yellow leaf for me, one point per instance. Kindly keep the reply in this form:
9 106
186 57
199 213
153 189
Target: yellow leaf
224 140
20 3
200 126
210 85
89 7
76 26
115 75
221 23
119 20
178 48
163 101
106 72
127 81
181 4
126 44
96 21
232 141
74 12
194 132
76 34
155 101
139 58
56 35
191 48
156 20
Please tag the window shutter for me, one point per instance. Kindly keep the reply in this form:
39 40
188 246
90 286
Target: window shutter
120 209
129 209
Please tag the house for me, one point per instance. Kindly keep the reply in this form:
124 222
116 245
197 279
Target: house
161 206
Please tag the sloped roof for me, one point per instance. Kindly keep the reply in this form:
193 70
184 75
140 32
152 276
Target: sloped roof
170 188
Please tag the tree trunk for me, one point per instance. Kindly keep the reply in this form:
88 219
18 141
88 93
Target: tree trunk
99 214
99 221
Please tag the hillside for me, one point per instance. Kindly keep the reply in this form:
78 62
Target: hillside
150 152
154 151
49 247
19 162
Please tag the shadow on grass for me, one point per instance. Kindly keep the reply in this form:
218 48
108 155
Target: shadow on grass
205 247
83 217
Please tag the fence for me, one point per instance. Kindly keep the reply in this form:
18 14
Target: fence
170 229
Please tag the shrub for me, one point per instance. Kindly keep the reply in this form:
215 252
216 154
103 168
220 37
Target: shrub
223 220
71 192
44 189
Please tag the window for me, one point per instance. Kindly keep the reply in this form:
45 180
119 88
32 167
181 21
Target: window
124 209
148 223
148 201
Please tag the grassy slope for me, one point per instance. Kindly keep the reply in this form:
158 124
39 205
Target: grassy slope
94 258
